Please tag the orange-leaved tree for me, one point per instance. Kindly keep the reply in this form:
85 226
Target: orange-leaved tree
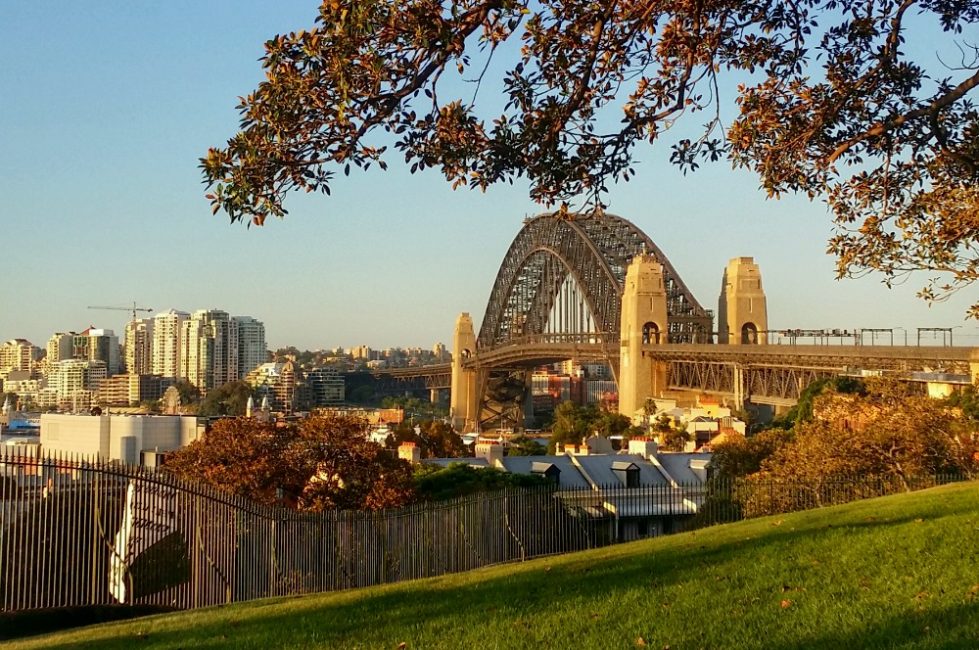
867 105
321 463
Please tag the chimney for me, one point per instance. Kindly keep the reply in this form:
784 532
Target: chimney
410 452
576 450
491 451
643 446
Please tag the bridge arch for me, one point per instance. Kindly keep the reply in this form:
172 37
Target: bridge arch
594 251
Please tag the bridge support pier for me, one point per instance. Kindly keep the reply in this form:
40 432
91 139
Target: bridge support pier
465 398
739 397
643 322
742 310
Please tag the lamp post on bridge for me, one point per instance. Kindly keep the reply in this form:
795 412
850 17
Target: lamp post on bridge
905 335
874 331
935 331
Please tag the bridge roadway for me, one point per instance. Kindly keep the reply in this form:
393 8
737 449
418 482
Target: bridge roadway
435 376
764 374
777 374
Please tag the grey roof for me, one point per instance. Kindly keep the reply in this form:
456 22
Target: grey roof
543 467
570 476
677 465
598 469
623 464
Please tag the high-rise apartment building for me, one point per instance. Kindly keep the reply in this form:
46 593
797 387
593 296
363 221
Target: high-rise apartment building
278 382
18 354
251 344
362 352
139 347
59 347
326 386
99 345
167 330
76 380
209 349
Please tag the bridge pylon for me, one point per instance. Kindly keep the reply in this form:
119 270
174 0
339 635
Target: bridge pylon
465 398
644 321
742 310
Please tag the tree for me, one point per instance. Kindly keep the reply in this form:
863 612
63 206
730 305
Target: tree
738 457
889 432
435 438
189 393
524 446
831 103
612 424
228 399
967 400
324 462
348 471
572 423
434 482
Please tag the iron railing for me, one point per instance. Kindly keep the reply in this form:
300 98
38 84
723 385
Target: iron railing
83 532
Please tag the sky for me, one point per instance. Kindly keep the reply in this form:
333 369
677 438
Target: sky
105 108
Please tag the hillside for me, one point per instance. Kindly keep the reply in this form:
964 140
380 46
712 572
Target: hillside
899 571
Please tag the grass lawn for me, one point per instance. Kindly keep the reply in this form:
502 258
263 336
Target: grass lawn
896 572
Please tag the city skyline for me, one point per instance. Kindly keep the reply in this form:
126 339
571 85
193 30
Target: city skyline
106 207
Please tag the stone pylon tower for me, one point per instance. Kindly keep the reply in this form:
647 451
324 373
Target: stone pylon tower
644 322
464 404
742 311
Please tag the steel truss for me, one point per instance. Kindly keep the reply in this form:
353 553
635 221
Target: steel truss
564 275
770 382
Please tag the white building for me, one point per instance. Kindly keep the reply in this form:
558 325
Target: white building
116 437
209 349
139 347
167 328
251 344
75 382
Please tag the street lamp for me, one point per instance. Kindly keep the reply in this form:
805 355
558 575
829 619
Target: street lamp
950 334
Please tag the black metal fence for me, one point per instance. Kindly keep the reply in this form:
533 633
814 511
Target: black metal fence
79 532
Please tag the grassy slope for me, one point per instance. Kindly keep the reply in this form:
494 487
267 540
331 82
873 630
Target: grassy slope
894 572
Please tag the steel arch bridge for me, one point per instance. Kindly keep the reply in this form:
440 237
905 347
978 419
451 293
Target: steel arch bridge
561 283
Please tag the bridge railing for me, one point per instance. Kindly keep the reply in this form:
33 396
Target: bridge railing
562 338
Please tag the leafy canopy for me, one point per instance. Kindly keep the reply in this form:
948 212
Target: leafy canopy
322 463
831 102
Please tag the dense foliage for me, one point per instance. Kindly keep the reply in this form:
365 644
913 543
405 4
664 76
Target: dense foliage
525 446
435 438
227 399
879 430
322 463
830 100
573 423
434 482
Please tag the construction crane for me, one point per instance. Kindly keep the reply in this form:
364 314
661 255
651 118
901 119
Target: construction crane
132 309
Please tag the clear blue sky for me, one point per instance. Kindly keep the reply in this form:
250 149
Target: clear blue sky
105 108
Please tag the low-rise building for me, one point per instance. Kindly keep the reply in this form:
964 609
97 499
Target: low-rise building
116 437
131 390
644 490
